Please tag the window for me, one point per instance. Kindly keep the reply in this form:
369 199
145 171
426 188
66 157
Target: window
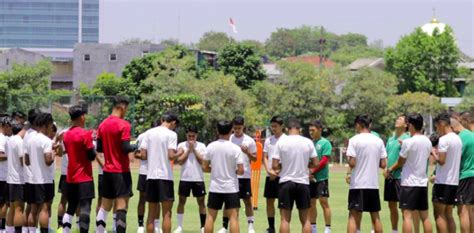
145 53
87 57
113 57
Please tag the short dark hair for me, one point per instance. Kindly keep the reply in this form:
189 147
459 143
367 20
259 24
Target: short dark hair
16 127
6 120
192 129
32 114
43 119
120 100
76 111
238 120
363 120
443 117
466 116
19 114
155 123
434 138
170 117
277 119
55 128
416 120
294 124
317 123
224 127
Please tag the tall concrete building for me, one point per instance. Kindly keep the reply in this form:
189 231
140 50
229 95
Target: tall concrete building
48 23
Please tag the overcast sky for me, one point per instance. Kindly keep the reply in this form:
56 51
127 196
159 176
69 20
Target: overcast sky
187 20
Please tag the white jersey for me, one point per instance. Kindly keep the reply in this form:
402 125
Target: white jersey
15 153
143 163
224 156
245 140
294 153
269 148
38 145
448 174
191 170
64 158
3 164
416 150
368 150
157 142
30 133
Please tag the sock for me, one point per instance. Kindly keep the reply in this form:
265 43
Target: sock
44 230
10 229
66 223
358 231
114 223
140 220
3 221
49 223
31 229
121 221
314 228
327 229
157 223
372 231
19 230
250 219
202 217
24 229
60 221
395 231
225 222
271 223
101 219
180 220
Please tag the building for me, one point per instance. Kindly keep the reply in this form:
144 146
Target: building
314 60
91 60
48 23
360 63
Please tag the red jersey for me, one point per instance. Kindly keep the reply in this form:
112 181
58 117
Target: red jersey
112 132
77 141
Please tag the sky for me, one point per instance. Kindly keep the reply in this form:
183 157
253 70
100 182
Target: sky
188 20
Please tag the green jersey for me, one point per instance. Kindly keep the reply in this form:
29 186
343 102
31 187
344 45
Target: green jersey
393 152
467 156
323 148
375 133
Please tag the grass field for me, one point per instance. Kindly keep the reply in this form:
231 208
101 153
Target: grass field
337 200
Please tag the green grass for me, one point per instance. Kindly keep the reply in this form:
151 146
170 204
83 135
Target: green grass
338 202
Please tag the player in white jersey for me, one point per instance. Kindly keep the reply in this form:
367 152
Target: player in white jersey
159 148
61 189
224 160
190 154
365 154
448 161
5 133
15 178
249 148
292 157
272 179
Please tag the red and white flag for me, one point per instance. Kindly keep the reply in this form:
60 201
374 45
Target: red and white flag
232 25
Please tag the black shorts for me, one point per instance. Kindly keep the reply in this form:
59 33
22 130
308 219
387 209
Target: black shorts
319 189
290 192
198 188
117 185
364 200
391 190
414 198
271 188
159 190
76 192
465 193
141 186
444 194
245 188
3 192
16 192
39 193
62 183
100 185
215 201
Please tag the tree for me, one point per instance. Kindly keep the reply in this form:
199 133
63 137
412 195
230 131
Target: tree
214 41
353 40
367 92
346 54
467 103
425 63
257 46
243 63
26 86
